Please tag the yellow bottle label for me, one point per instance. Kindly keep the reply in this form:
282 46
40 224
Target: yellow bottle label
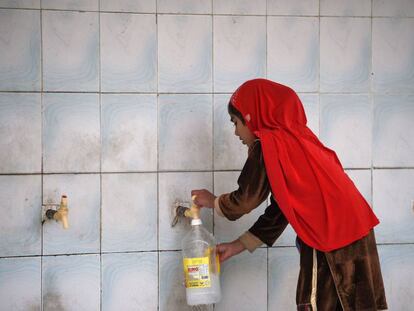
214 266
197 272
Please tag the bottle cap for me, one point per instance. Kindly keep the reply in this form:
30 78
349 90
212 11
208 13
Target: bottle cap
196 221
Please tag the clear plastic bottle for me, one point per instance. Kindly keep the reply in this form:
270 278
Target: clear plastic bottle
201 266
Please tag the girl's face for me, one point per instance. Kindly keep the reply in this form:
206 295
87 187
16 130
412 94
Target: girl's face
242 131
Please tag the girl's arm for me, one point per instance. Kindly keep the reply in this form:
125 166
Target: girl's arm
266 229
253 187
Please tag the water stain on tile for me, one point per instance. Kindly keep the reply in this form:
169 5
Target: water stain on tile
125 143
176 298
33 307
52 301
120 142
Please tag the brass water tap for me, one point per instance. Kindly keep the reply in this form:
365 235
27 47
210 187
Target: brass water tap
61 214
182 211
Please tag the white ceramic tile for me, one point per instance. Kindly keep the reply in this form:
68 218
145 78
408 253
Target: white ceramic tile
83 234
293 7
362 180
393 8
20 209
71 283
20 283
244 282
229 152
177 187
393 199
287 238
293 52
345 54
184 53
184 6
20 50
129 212
244 7
346 7
136 6
346 124
392 56
393 142
130 282
239 50
84 5
185 132
71 135
70 51
20 125
20 4
398 274
171 283
283 277
310 103
129 133
224 229
128 52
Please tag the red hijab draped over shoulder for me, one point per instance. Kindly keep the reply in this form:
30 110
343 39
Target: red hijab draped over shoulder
307 180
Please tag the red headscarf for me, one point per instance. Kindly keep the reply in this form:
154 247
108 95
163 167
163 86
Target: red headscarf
307 180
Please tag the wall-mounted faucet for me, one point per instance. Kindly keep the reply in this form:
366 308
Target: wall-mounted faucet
58 212
182 210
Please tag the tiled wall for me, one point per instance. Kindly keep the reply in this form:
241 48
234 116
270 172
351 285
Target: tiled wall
122 106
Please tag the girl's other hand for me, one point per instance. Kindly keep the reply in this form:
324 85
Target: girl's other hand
228 250
204 198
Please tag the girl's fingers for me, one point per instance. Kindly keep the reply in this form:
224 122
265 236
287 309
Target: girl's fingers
199 191
220 248
226 255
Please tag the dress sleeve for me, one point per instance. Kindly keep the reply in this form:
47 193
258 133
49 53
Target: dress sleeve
270 225
253 187
266 229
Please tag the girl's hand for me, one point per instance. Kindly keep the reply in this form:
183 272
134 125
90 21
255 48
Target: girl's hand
228 250
204 198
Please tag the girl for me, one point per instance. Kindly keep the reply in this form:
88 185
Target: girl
339 265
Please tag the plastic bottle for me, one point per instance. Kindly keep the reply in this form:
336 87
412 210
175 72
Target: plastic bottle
201 266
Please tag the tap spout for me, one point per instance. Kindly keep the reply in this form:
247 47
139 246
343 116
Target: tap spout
61 214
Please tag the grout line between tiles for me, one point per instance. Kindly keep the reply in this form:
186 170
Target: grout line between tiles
158 157
167 251
42 155
408 93
371 75
192 171
213 119
100 159
319 71
204 14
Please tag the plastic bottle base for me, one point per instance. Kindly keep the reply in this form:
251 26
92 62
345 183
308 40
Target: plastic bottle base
196 297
